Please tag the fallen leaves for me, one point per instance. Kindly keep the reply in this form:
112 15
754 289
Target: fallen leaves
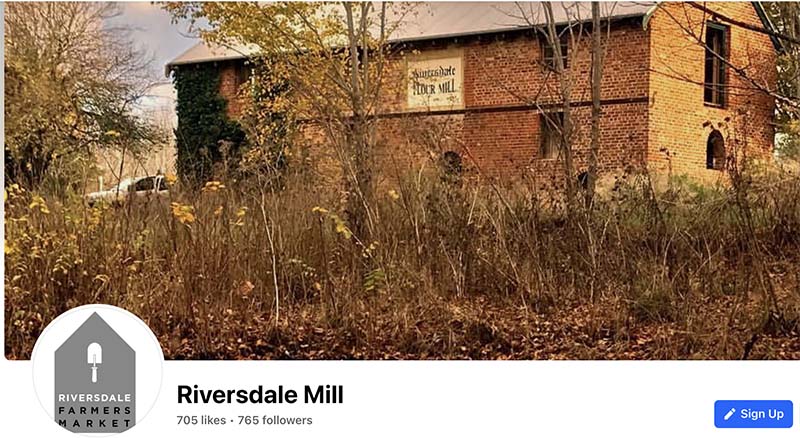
459 328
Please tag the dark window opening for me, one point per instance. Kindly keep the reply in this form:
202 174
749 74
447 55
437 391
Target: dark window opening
451 163
550 53
551 127
583 180
715 151
244 73
715 67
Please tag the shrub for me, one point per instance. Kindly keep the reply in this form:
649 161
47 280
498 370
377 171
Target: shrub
245 270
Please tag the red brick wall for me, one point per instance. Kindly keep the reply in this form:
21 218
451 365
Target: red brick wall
680 122
647 110
229 86
503 73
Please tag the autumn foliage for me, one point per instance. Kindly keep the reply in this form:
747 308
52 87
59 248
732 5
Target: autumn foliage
452 271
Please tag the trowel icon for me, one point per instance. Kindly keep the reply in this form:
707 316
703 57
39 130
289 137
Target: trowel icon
94 356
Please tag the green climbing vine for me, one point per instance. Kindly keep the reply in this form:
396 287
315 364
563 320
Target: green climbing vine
203 125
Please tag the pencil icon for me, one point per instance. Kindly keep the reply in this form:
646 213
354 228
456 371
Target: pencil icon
729 414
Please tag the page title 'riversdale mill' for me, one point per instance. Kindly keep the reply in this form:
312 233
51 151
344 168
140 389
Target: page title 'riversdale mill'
322 394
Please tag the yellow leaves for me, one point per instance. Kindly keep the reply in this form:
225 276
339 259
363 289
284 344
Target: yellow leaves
338 223
341 228
218 211
70 118
96 215
11 192
9 247
113 133
183 213
240 213
213 186
793 126
369 251
394 195
171 178
252 156
38 203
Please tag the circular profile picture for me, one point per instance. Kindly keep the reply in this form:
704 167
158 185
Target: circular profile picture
97 369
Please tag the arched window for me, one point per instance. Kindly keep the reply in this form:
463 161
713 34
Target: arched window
583 180
451 163
715 151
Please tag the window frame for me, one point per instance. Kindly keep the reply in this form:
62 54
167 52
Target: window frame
549 61
549 147
716 154
715 71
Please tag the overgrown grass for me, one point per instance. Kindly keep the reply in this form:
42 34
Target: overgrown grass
451 269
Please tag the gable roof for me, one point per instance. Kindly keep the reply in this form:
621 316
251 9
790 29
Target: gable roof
454 19
203 52
437 20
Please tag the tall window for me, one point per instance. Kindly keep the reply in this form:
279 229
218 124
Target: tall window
716 77
550 53
551 125
715 151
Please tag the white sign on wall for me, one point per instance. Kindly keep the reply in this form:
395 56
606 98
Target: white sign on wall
436 82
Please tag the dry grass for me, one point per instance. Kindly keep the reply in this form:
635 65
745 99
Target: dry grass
450 271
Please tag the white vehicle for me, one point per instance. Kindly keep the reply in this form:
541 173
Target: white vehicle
142 186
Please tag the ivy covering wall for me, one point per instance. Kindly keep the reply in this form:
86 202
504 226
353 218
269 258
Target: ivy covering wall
203 125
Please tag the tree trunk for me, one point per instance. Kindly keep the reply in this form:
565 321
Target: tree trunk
566 89
597 75
359 145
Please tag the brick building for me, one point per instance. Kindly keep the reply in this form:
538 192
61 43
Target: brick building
683 88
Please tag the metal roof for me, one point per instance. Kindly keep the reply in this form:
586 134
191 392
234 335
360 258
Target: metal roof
435 20
452 19
202 52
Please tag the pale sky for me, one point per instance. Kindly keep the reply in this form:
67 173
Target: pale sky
154 32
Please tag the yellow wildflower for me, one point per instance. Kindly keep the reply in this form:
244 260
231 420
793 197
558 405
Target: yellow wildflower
213 186
183 213
38 203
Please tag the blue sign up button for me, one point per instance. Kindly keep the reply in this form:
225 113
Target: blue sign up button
753 414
